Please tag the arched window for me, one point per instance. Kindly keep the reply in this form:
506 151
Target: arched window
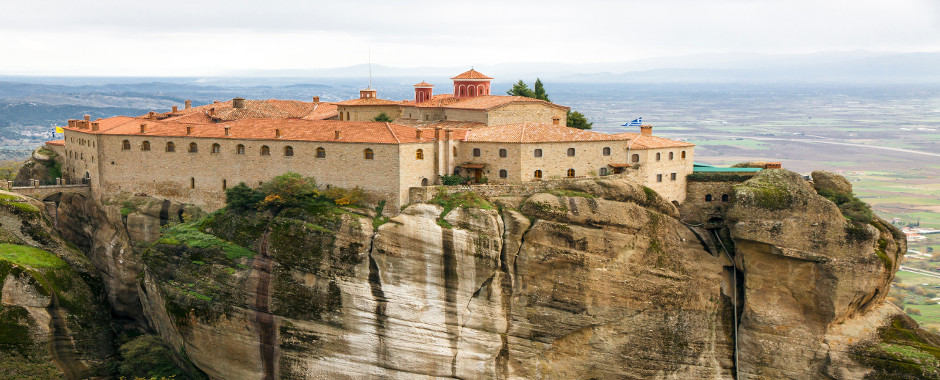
265 151
682 155
476 152
670 155
570 173
606 151
480 90
126 145
193 148
537 153
288 151
658 156
570 152
369 154
537 174
419 154
503 173
724 197
240 149
321 153
603 171
170 147
708 197
635 158
145 145
424 181
472 91
216 148
503 153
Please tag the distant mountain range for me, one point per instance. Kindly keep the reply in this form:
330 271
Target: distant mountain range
834 67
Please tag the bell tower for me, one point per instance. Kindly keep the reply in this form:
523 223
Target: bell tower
423 92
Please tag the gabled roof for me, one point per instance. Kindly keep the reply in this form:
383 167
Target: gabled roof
535 133
264 129
641 141
424 84
368 102
488 102
471 74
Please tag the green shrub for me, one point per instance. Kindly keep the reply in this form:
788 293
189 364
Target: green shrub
288 190
342 196
243 198
452 180
147 357
464 199
383 117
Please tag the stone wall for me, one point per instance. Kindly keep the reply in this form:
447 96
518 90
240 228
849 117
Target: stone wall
81 149
526 112
200 177
672 184
368 113
696 209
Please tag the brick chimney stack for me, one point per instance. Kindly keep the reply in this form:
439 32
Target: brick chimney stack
556 120
175 109
238 103
646 130
87 117
316 99
336 135
188 104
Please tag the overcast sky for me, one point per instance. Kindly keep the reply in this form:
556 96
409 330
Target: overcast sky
195 37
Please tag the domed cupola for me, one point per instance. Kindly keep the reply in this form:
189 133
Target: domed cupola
471 83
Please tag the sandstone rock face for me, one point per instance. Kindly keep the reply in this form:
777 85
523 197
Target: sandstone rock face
807 270
829 181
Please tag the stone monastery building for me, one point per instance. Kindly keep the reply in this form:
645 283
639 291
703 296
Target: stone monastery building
193 154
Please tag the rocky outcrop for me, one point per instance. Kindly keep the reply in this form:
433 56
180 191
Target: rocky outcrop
54 322
43 165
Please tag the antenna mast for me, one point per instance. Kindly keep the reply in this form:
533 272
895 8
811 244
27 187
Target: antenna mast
370 68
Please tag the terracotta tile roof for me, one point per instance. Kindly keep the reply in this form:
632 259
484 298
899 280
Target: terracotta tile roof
264 129
487 102
640 141
535 133
424 84
322 111
254 109
445 124
471 74
55 142
439 100
369 102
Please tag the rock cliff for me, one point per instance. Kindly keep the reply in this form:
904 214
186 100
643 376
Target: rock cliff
603 279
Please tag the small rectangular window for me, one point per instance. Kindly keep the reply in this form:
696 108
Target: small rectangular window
659 178
672 176
503 153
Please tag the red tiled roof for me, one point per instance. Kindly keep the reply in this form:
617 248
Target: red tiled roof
438 100
254 109
445 124
487 102
535 133
424 84
641 141
369 102
471 74
264 129
55 142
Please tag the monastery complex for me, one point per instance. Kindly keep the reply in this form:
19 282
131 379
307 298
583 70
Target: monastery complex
193 154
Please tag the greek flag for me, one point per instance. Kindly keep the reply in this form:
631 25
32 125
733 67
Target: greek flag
635 123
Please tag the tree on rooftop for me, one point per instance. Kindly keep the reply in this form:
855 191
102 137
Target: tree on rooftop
577 120
383 117
539 91
521 89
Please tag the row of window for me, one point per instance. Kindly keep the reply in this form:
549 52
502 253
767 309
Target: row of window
708 197
572 152
83 142
240 149
672 177
671 156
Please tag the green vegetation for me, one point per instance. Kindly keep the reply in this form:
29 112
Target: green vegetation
767 190
383 117
570 193
291 191
903 352
189 234
851 207
464 199
9 169
578 120
452 180
29 256
146 356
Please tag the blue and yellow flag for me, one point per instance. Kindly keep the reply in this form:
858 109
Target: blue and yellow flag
59 130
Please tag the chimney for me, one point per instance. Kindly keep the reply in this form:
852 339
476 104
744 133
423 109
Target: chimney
143 128
72 123
175 109
94 126
238 103
228 131
316 99
188 104
152 115
336 135
215 102
556 120
87 117
773 165
418 134
212 111
277 133
646 130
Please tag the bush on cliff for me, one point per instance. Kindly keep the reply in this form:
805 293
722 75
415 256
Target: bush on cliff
291 190
147 357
